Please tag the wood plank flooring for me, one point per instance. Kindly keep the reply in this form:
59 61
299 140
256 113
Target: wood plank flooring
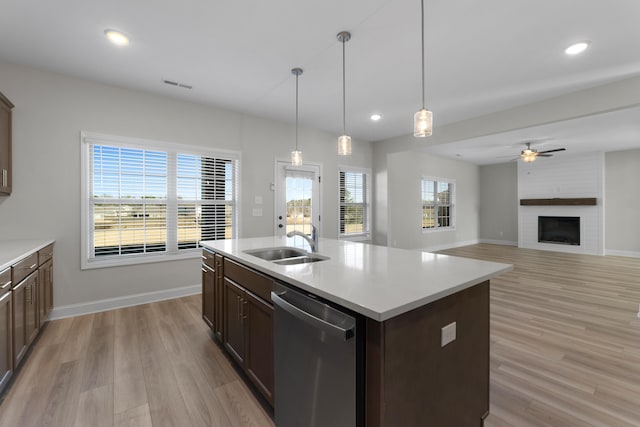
150 365
565 351
565 338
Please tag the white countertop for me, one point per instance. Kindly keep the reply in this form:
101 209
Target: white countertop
375 281
12 251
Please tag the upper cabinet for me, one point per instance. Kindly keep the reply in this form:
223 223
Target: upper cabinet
5 145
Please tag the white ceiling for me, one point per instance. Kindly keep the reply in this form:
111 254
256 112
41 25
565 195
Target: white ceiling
481 56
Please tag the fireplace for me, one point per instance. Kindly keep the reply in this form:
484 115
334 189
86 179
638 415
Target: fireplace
564 230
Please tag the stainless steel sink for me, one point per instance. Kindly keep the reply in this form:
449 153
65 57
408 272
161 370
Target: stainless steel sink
286 255
301 260
272 254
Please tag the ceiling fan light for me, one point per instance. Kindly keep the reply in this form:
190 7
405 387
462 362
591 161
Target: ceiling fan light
528 157
423 123
344 145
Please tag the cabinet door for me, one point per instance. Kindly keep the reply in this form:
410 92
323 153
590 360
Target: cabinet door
48 292
234 322
5 145
31 309
258 317
6 341
19 302
218 296
208 277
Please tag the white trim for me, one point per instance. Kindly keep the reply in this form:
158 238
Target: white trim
173 149
629 254
449 246
120 302
498 242
366 236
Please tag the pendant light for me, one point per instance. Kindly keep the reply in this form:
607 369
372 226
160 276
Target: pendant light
423 119
296 155
344 141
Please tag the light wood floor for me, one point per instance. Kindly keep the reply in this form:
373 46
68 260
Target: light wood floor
565 339
150 365
565 351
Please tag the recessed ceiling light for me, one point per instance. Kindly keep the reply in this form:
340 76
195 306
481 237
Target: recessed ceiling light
116 37
576 48
376 117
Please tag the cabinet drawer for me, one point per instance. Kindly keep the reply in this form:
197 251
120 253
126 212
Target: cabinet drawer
208 258
45 254
23 268
5 281
254 282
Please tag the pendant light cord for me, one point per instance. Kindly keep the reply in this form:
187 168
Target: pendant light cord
297 75
344 92
422 22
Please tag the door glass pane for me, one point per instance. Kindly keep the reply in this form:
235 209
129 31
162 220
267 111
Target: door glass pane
299 191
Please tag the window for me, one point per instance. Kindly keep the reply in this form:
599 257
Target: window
144 201
438 204
355 212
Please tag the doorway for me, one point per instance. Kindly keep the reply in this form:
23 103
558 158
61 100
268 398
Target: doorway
297 198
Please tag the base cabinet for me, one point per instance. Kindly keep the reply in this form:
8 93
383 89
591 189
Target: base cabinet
208 276
19 301
247 315
6 339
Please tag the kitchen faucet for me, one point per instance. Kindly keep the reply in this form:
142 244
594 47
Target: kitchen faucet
313 240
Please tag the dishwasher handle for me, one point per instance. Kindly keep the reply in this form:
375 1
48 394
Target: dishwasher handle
336 330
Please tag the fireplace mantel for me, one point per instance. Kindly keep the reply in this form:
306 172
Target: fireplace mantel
584 201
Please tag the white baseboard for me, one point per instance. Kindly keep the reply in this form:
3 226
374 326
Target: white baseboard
499 242
120 302
630 254
449 246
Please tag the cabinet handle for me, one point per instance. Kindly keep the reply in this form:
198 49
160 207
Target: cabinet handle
6 284
244 302
238 301
203 270
4 177
203 257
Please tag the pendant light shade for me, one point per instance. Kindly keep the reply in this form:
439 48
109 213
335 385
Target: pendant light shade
344 141
296 155
423 119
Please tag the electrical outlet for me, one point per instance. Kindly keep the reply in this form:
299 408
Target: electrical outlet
448 334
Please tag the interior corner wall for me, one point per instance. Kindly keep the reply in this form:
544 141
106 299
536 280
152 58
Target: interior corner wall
499 203
404 175
622 206
50 112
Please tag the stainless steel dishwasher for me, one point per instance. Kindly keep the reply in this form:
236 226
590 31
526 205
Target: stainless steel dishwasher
319 363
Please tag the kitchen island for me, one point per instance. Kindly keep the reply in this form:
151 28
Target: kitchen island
425 316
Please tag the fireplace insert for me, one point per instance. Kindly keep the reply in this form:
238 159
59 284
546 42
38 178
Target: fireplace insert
564 230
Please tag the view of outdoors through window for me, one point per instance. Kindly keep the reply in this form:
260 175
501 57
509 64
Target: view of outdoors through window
133 211
436 204
353 204
299 192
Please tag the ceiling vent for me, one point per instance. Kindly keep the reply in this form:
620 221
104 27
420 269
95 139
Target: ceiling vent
182 85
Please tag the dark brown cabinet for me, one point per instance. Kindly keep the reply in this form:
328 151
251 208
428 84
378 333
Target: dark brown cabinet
234 320
208 277
248 324
6 329
5 145
45 284
19 301
258 317
212 292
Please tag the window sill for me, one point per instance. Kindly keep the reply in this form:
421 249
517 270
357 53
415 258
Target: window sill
119 261
437 230
355 237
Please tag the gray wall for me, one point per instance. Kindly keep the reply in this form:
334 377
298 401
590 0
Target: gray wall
51 111
499 203
405 172
622 203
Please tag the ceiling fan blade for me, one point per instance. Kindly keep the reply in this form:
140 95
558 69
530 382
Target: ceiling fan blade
544 155
552 151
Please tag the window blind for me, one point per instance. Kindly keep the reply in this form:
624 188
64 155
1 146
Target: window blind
353 216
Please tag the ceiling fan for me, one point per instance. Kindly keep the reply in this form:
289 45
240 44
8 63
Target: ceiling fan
529 154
